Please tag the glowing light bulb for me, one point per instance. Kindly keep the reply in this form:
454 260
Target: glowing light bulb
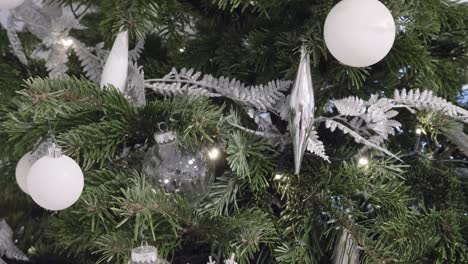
181 50
166 181
363 161
418 131
278 177
214 153
66 42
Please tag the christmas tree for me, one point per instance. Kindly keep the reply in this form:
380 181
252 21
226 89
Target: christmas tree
186 122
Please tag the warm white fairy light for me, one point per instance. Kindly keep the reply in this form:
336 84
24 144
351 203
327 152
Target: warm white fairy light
363 161
231 259
214 153
278 177
181 50
211 261
67 42
418 131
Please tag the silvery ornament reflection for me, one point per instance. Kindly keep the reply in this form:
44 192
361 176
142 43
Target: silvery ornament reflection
301 109
176 169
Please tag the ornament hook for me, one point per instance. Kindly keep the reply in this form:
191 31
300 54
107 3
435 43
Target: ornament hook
54 151
51 133
166 128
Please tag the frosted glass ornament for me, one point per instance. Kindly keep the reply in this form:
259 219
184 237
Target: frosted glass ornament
10 4
359 33
55 181
116 68
178 170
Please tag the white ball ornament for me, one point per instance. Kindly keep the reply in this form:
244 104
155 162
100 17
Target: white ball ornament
10 4
55 182
22 170
25 163
359 33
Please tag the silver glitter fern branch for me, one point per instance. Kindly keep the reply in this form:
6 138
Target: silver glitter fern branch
135 53
315 146
92 63
189 82
7 246
370 122
334 125
351 106
427 101
372 116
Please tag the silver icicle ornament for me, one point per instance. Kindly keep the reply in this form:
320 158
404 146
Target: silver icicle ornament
301 109
346 250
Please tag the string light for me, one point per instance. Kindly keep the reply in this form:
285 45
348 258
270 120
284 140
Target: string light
418 131
363 161
214 153
181 50
278 177
67 42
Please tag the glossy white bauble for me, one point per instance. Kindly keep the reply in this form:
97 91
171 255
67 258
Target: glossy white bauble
359 33
22 170
10 4
55 183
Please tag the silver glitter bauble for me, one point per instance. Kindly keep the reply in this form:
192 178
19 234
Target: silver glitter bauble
178 170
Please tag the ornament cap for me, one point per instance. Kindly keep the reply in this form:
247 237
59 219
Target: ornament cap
144 255
164 137
54 152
